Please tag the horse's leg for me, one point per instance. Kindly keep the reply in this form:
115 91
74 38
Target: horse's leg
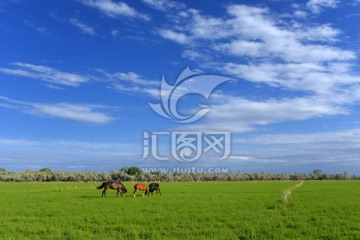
104 193
117 192
159 192
134 192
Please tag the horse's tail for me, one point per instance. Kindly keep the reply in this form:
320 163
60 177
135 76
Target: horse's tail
101 186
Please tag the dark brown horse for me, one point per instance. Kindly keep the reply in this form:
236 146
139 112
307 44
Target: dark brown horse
154 187
113 185
142 187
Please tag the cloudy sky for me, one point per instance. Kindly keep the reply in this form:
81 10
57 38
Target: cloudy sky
77 77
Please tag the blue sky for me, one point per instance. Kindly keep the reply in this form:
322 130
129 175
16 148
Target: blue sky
76 78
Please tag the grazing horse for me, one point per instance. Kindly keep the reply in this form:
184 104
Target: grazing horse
142 187
154 187
113 185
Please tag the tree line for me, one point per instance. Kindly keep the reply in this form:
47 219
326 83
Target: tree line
137 175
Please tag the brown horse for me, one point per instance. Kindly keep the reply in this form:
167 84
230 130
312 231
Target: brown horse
154 187
113 185
142 187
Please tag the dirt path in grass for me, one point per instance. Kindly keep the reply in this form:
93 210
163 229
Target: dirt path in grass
286 194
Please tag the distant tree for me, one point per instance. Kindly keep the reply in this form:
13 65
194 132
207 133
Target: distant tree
42 176
313 176
105 176
29 176
178 178
295 176
355 177
195 177
141 177
114 175
151 177
319 174
187 177
70 177
45 170
167 178
123 176
133 171
135 174
60 176
156 173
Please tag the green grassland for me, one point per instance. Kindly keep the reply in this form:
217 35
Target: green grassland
199 210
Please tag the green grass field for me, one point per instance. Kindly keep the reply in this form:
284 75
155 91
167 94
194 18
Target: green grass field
202 210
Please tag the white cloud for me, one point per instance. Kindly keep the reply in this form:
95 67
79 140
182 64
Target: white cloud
22 154
74 112
194 55
67 145
300 14
240 158
237 114
245 48
265 38
164 5
254 32
207 27
317 6
191 25
132 83
83 27
286 50
40 29
46 74
136 89
114 33
174 36
263 48
339 147
115 9
351 137
315 77
134 78
324 33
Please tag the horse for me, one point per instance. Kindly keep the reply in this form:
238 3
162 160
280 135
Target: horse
142 187
113 185
154 187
